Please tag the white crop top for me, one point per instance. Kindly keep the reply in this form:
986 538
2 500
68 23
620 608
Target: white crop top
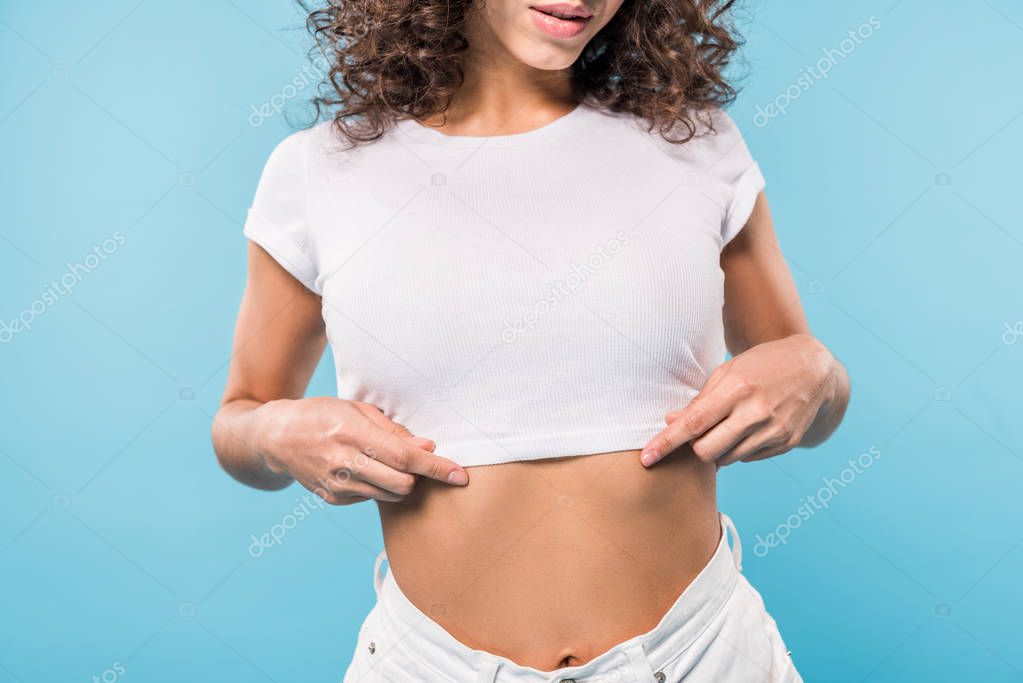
535 295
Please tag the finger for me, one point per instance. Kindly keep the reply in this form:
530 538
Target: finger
768 450
377 417
401 455
720 372
702 413
756 446
380 475
367 490
332 497
423 442
345 487
722 438
382 421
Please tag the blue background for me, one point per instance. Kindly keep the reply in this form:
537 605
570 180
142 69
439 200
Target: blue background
895 184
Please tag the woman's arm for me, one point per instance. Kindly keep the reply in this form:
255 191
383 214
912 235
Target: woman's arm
782 388
761 300
762 305
278 340
266 435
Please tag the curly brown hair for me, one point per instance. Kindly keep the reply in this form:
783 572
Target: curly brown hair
660 60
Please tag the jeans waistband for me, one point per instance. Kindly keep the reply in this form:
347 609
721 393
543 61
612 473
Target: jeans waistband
642 656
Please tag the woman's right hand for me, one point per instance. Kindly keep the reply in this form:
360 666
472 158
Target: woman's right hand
347 451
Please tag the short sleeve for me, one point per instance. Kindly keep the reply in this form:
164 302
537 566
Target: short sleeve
277 219
731 163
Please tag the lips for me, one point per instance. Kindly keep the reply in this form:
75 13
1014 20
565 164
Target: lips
561 20
563 10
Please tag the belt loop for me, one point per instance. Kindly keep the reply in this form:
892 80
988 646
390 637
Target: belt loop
378 574
736 542
488 669
641 668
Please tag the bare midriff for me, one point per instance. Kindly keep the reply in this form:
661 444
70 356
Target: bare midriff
552 562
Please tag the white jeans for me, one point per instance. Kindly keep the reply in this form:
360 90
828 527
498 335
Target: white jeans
717 631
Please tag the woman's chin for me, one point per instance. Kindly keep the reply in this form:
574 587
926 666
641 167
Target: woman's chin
538 54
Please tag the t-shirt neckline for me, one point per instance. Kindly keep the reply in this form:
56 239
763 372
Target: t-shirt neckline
411 129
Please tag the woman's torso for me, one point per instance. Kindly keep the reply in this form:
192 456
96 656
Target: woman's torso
523 297
551 562
517 299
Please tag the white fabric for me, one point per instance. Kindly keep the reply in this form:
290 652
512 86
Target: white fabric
525 296
718 631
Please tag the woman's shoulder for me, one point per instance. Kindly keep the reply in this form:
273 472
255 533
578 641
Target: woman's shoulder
708 132
304 144
294 150
708 142
708 129
322 152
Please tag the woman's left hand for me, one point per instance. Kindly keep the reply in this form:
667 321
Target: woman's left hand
759 404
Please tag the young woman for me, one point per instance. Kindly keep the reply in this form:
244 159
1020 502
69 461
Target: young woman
530 234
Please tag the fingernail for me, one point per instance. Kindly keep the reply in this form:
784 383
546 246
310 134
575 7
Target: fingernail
458 478
649 457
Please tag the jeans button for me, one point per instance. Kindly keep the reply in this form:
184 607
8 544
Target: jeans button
660 677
